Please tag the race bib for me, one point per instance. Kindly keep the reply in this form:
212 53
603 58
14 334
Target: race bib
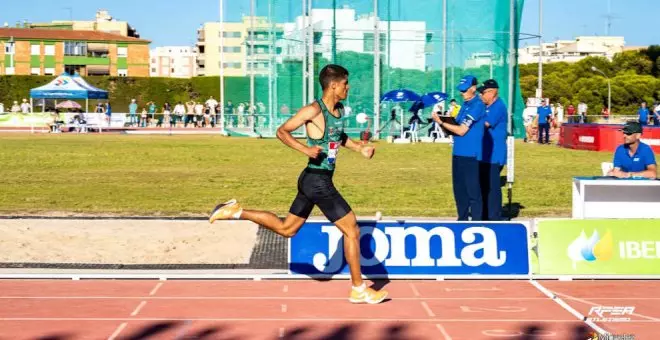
333 149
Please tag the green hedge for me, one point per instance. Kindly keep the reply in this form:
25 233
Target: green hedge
123 89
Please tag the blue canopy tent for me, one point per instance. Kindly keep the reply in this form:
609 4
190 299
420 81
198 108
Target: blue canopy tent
400 96
66 86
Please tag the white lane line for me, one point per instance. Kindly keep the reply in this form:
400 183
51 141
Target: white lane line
427 309
138 308
443 331
414 289
153 291
115 334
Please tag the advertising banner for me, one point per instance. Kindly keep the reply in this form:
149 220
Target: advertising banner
409 248
599 247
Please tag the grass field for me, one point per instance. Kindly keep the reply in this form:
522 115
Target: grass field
188 175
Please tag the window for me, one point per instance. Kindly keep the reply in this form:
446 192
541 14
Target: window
122 52
231 34
35 71
50 50
232 65
368 42
49 71
35 49
153 70
122 72
9 48
75 48
231 49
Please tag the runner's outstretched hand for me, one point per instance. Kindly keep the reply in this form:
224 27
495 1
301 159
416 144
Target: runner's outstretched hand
368 151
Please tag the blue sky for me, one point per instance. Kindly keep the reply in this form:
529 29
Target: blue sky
174 22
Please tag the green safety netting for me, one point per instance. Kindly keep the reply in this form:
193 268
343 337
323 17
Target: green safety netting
421 49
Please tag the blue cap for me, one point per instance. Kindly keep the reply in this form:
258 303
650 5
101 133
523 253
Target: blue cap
466 83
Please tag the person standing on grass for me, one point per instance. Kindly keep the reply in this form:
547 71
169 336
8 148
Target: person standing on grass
643 114
656 114
132 113
467 150
494 150
545 115
325 134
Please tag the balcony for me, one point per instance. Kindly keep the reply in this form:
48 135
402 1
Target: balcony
98 48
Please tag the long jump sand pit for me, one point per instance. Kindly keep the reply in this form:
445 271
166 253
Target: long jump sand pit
126 241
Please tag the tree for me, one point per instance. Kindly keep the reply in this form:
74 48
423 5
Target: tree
632 60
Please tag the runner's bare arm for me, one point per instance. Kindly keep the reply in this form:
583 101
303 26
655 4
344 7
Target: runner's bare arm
366 150
304 115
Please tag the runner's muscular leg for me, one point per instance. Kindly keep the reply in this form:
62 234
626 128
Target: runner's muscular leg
286 228
349 227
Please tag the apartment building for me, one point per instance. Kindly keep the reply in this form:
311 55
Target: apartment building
239 59
572 50
407 39
173 62
30 51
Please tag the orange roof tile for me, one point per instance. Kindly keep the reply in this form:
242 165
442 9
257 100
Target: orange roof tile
54 34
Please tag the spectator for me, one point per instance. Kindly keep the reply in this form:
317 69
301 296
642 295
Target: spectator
544 117
108 112
132 113
2 108
656 114
454 108
230 108
199 113
605 113
643 114
152 109
559 114
99 108
15 108
179 114
167 114
190 113
143 118
582 112
634 158
26 107
229 114
211 103
570 112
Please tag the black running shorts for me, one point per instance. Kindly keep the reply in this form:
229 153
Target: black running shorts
315 187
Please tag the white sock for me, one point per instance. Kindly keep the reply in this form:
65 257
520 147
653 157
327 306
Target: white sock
360 288
237 215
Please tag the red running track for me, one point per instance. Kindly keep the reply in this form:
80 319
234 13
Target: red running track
307 309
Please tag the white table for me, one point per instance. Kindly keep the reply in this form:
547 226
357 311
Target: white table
606 197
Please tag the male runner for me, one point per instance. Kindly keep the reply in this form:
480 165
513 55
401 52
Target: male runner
325 134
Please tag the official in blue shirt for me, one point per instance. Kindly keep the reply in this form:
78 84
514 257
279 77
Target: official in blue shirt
634 158
643 113
545 113
467 151
494 149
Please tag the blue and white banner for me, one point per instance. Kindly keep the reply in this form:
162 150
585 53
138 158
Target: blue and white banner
410 248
